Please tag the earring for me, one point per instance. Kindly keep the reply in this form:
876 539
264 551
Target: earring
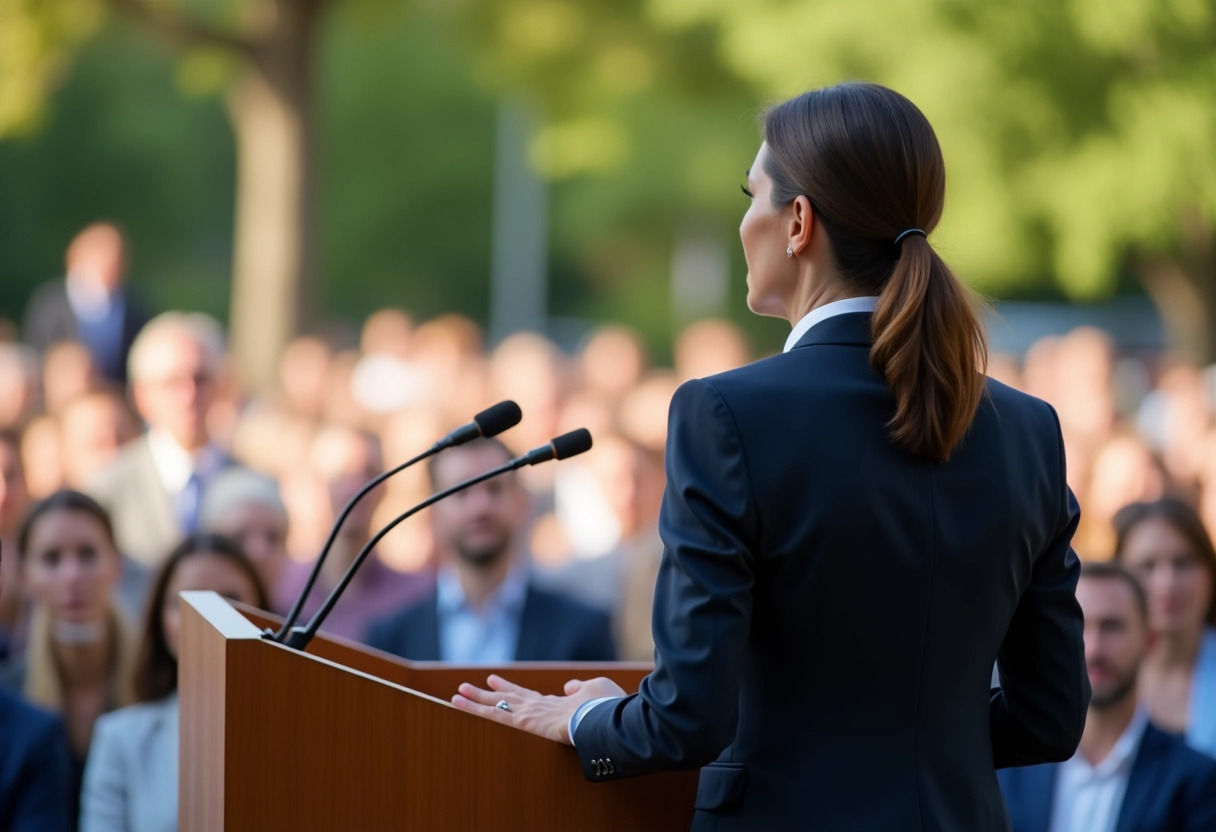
789 251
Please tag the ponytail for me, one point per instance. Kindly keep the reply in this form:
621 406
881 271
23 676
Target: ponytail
870 165
929 346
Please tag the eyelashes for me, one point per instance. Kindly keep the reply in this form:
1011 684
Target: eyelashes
746 192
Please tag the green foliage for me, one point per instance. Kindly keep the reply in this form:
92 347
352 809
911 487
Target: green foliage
37 37
1076 133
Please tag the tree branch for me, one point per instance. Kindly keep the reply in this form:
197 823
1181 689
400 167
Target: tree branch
180 30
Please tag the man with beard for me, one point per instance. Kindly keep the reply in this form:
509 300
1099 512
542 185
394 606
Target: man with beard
1127 774
484 608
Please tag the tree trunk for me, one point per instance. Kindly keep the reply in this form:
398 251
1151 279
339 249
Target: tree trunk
274 257
1183 288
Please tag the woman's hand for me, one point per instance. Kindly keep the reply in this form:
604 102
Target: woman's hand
536 713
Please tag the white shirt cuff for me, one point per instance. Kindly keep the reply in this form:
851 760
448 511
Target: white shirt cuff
583 710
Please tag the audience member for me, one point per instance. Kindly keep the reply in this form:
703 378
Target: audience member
68 370
78 657
484 608
1164 544
42 456
35 764
1123 471
130 781
19 385
1127 773
621 580
302 372
91 304
14 500
93 427
342 460
154 487
247 508
708 347
612 362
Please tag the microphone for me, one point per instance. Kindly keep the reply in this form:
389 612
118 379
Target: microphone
489 422
562 447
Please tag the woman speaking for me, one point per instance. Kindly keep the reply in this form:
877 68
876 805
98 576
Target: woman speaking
855 530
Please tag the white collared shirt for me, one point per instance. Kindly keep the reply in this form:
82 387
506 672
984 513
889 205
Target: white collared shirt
866 303
1088 798
175 464
485 635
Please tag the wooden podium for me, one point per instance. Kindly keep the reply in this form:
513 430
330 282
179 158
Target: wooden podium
347 738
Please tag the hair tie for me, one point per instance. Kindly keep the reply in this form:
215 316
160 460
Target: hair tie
910 231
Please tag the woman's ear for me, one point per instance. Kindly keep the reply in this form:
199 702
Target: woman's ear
801 224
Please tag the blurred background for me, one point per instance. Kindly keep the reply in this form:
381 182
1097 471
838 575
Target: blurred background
480 168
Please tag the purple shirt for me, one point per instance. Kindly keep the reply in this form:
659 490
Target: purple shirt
376 592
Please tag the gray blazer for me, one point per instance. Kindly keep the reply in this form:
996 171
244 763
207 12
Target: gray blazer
130 489
130 779
146 526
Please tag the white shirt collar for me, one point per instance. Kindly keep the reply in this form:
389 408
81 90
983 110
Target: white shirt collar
1122 754
509 596
175 464
88 299
828 310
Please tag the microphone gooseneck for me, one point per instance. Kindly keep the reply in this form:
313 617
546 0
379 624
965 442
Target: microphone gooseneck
489 422
562 447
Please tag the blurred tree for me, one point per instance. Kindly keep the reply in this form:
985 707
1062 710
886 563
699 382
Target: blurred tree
261 53
1079 136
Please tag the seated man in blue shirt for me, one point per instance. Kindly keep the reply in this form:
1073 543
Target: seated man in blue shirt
1127 774
484 608
36 776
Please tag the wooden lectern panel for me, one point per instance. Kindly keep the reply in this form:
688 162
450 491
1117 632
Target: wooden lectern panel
274 739
441 679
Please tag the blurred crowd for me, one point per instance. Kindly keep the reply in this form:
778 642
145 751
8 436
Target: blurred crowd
134 465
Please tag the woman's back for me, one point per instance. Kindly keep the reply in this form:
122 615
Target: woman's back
882 590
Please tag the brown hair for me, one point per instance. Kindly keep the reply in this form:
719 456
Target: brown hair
63 500
44 682
155 667
1107 571
1184 521
868 162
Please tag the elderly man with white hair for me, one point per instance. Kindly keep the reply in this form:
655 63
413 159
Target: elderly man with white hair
154 488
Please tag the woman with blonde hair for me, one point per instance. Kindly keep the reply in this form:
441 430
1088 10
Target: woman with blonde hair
79 657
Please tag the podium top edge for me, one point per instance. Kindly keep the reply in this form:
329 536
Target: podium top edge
221 615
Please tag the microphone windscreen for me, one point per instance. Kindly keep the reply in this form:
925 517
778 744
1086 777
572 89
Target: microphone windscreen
494 420
571 444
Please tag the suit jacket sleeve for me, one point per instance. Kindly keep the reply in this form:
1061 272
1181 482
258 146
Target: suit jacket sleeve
103 797
686 711
44 797
1038 713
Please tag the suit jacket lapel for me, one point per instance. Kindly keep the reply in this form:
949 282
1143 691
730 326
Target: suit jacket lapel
532 637
421 636
1040 792
1142 780
155 503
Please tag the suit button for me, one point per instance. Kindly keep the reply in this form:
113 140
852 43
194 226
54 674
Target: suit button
595 766
611 766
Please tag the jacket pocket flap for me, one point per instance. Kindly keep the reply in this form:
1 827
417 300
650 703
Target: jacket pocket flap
721 784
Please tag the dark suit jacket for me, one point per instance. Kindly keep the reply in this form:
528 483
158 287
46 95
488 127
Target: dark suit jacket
553 629
828 609
1171 788
36 770
49 317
